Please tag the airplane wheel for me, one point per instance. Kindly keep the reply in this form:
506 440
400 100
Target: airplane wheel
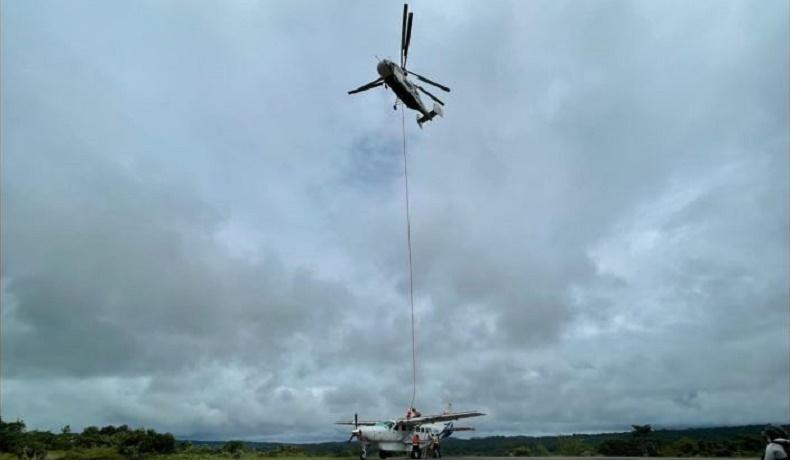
382 454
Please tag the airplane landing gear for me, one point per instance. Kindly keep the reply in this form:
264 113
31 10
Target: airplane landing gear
364 454
382 454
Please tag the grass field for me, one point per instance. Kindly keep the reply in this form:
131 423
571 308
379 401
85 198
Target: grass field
102 454
107 454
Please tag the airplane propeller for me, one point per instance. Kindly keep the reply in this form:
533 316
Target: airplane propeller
356 428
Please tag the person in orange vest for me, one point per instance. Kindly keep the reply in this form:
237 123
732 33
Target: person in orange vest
415 446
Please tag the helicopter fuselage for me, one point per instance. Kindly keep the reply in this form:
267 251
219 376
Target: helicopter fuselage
396 79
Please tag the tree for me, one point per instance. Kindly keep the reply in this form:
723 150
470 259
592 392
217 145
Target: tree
541 451
572 446
643 435
521 451
686 447
33 450
11 435
235 448
619 448
641 430
91 437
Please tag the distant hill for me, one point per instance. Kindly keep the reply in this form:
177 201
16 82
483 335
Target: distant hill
731 441
118 442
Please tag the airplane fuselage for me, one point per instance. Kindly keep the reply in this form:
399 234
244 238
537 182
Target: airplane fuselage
395 78
391 437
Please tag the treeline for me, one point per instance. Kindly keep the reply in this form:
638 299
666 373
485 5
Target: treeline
744 441
642 440
93 442
122 442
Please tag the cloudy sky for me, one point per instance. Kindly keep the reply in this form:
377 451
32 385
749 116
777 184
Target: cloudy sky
203 233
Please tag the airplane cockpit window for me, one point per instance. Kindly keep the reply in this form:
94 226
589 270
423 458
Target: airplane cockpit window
389 425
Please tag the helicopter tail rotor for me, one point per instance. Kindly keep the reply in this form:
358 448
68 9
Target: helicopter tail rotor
437 110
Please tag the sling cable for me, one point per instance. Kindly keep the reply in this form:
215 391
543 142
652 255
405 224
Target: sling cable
411 271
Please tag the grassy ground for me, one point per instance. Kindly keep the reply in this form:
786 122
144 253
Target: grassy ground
246 456
104 454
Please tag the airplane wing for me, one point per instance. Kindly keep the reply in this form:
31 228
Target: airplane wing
446 417
360 423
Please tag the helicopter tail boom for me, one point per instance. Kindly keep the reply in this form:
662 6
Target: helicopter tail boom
437 110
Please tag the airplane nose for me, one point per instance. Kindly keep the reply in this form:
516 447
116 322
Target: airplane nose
357 433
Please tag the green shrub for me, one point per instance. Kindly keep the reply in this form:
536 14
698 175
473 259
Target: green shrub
99 453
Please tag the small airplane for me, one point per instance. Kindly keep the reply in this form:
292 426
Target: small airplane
396 77
393 437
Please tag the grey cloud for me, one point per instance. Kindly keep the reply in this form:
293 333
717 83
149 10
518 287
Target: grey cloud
121 276
198 207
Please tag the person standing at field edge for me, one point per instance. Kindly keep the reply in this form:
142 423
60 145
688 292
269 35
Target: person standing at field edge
778 445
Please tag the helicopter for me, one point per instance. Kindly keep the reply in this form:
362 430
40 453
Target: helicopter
395 77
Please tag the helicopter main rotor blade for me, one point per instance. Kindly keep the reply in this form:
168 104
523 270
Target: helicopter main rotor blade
430 95
373 84
408 39
403 33
429 81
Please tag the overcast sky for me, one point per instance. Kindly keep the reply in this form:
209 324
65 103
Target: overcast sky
204 234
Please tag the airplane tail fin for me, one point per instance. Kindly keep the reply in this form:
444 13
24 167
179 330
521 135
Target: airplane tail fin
449 429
